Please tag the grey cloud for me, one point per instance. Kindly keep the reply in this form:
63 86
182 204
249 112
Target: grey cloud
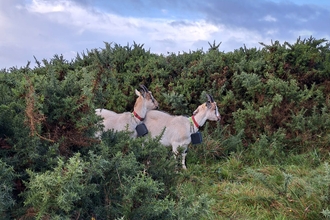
239 22
179 23
167 42
249 14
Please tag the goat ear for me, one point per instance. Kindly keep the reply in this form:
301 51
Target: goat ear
196 111
137 92
208 104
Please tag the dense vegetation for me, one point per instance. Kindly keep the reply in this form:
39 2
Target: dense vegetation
267 158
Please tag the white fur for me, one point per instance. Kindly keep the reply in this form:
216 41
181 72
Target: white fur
127 121
179 128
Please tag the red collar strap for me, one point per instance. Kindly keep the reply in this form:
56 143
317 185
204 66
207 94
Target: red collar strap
137 116
195 122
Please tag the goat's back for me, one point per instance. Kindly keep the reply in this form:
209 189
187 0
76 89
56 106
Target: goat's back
177 128
104 113
116 121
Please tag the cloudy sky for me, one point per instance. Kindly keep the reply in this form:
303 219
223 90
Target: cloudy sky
43 28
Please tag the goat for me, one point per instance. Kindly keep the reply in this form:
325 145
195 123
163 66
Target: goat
127 120
178 129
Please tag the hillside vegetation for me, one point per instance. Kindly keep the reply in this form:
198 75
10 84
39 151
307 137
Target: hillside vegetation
268 158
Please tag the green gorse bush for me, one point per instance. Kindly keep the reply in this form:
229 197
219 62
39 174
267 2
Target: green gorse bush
274 103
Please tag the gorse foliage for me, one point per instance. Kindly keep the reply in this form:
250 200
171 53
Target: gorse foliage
55 192
274 102
7 176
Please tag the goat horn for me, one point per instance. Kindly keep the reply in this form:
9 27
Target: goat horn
144 88
209 98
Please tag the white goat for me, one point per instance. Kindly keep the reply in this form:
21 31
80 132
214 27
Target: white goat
178 129
127 120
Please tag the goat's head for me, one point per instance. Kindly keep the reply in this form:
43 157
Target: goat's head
147 98
210 109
